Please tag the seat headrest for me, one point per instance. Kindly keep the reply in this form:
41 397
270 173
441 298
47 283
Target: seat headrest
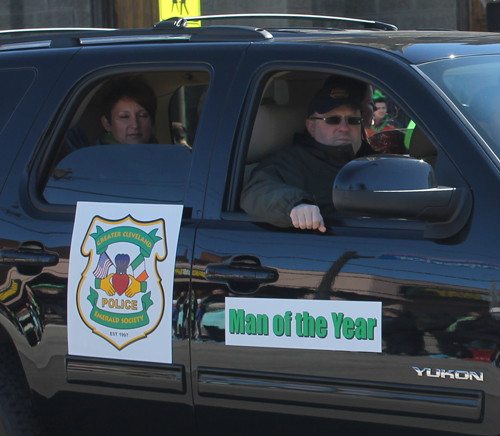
421 147
274 127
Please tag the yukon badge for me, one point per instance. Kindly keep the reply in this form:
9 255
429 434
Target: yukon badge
453 374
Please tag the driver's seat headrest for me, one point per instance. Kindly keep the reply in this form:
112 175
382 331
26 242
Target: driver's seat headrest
421 147
274 128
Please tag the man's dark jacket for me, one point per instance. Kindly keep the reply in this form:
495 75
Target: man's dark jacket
301 173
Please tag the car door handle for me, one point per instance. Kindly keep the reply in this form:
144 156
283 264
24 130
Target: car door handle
28 255
243 275
221 272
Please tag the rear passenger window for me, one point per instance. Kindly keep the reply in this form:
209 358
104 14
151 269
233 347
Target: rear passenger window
130 139
13 87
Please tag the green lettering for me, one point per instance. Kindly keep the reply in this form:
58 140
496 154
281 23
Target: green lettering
278 327
309 322
251 324
337 323
321 327
288 323
360 328
372 323
298 325
237 321
262 325
348 328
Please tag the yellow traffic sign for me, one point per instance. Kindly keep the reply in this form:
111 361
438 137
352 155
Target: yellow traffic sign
180 8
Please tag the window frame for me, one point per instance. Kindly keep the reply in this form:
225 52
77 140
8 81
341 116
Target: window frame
40 166
231 211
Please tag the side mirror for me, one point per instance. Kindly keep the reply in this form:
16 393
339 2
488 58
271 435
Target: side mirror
394 186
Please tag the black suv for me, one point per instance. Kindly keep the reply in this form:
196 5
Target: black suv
137 295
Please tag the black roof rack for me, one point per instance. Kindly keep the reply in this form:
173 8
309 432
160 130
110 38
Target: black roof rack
173 29
177 22
233 33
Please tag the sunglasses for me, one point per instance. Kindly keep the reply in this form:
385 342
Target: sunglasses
337 119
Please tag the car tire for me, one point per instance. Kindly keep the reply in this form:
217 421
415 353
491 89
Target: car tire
17 414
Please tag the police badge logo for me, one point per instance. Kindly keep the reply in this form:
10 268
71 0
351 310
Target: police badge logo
120 295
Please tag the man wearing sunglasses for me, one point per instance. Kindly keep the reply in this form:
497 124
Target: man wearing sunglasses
364 89
293 187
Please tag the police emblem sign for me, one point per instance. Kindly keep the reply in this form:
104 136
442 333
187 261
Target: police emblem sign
121 271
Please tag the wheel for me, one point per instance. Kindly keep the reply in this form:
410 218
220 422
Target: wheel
17 414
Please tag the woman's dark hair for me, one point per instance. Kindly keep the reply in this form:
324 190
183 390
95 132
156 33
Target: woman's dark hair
133 87
380 100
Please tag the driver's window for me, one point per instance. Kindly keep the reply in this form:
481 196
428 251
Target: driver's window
297 122
282 112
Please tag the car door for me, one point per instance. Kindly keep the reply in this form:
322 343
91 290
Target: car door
18 76
116 184
377 320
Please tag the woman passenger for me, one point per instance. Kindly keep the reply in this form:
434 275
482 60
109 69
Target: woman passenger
128 112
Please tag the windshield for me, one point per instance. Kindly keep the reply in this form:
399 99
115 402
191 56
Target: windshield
473 84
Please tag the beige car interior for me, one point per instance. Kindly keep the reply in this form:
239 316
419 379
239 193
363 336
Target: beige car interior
421 147
281 114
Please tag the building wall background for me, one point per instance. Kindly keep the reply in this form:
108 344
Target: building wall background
405 14
22 14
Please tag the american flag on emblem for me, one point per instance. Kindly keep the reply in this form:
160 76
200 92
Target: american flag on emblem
102 268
